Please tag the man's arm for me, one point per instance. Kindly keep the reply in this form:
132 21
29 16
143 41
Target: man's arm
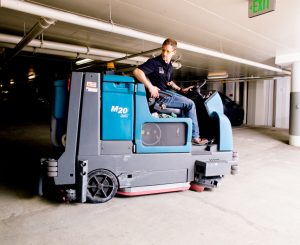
174 86
179 89
140 75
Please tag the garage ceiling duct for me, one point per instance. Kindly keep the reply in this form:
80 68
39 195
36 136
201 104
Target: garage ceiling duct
36 30
76 51
59 15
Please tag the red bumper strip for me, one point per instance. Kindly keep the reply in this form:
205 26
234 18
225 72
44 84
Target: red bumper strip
149 192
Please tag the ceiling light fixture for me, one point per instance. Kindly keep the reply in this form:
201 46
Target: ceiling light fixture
83 61
217 75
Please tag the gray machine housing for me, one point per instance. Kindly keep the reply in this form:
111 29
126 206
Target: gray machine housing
85 152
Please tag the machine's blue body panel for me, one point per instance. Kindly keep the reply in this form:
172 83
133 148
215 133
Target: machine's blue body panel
214 103
117 107
225 132
60 99
117 78
214 107
143 116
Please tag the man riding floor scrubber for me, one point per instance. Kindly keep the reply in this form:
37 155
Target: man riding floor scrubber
114 144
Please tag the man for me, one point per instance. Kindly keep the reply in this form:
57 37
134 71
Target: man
156 74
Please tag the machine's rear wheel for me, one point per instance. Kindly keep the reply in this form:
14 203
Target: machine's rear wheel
102 186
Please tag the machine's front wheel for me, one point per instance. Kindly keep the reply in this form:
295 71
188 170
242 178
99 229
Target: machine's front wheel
102 186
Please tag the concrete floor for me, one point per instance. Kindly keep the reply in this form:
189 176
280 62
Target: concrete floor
261 205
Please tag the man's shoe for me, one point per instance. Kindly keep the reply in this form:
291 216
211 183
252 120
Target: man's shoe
199 141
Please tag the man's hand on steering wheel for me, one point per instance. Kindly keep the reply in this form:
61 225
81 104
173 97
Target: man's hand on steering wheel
187 89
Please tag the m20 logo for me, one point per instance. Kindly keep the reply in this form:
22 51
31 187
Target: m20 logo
123 111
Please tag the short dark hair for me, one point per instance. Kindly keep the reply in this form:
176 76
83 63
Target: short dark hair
170 41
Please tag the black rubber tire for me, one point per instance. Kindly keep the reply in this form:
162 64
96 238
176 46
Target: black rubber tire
102 186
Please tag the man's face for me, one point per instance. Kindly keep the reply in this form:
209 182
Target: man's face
167 52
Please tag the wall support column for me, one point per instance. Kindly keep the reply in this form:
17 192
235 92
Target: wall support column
294 137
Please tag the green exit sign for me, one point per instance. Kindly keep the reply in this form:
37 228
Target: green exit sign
258 7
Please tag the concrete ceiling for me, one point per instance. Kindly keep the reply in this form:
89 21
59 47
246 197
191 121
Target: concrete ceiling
221 26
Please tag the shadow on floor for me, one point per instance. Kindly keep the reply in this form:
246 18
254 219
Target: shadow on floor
22 145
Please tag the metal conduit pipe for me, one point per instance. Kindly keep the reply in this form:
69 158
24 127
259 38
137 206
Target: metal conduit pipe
59 15
83 52
175 64
63 16
71 55
67 54
36 30
68 48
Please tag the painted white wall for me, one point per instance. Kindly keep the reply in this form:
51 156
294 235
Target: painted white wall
260 103
282 102
251 103
237 92
269 101
230 88
266 102
245 99
215 86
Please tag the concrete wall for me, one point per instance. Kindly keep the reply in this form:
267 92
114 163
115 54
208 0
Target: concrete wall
230 90
282 102
251 103
260 102
268 103
215 86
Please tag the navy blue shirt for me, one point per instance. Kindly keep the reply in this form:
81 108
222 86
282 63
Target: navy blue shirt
158 72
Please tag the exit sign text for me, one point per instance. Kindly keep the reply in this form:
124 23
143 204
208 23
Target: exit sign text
258 7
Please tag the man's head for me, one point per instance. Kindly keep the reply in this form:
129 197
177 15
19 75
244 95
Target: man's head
168 49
